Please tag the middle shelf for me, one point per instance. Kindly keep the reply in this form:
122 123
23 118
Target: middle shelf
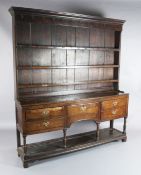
67 67
20 45
21 86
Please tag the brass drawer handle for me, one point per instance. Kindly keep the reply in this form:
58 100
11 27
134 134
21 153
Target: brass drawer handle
45 116
46 123
45 113
115 103
114 111
83 108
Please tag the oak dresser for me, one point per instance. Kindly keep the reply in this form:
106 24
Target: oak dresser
66 70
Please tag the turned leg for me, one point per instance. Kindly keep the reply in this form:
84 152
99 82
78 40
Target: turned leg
124 126
97 130
24 143
111 125
65 139
124 130
124 140
25 164
18 139
18 132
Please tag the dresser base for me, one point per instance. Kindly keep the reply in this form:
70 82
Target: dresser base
55 147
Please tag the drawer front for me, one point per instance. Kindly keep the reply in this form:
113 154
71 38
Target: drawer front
115 108
50 112
117 102
115 113
77 112
40 126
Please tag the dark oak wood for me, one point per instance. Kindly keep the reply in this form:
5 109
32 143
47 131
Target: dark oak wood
66 69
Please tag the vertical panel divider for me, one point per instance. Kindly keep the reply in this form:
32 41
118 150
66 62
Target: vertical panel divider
104 61
66 70
88 59
17 71
30 41
117 62
104 47
51 58
104 51
75 57
66 61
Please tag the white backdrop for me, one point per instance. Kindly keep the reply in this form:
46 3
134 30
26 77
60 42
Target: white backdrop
130 71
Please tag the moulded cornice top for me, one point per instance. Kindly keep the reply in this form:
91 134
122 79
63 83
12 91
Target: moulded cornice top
23 10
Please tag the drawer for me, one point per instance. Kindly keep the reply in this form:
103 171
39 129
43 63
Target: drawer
77 112
117 102
39 126
49 112
114 113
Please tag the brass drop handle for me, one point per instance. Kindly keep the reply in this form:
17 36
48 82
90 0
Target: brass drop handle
115 103
46 123
114 111
83 108
45 113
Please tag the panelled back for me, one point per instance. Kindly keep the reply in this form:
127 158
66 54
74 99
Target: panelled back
56 54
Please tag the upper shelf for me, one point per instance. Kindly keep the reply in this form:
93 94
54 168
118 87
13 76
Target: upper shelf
67 48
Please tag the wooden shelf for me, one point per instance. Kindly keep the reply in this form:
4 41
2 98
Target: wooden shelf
99 92
67 67
42 97
66 47
64 84
54 147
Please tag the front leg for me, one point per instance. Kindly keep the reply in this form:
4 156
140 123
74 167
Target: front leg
18 139
124 125
124 129
25 164
65 138
24 144
97 130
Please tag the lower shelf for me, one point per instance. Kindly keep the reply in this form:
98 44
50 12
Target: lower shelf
55 147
